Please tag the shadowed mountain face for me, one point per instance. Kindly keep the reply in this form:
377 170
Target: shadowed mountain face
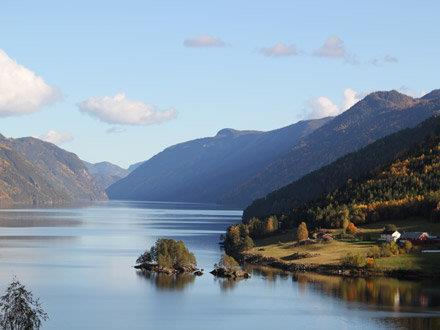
377 115
106 173
204 169
34 172
234 167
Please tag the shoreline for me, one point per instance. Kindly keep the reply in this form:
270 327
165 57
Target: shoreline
338 270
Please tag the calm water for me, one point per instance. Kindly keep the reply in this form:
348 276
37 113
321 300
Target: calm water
79 262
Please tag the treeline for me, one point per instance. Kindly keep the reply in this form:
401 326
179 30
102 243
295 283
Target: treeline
240 237
408 187
350 169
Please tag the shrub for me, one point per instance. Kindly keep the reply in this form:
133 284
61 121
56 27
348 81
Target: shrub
390 227
354 260
374 252
351 228
168 253
394 248
302 233
369 262
407 246
385 250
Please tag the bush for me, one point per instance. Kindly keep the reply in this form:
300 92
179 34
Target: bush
354 260
407 246
389 249
374 252
390 227
351 228
370 263
168 253
394 248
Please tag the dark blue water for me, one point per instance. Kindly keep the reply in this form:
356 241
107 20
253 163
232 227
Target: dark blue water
79 262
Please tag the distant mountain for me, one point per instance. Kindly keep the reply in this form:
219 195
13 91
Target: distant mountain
377 115
34 172
134 166
106 173
352 172
202 170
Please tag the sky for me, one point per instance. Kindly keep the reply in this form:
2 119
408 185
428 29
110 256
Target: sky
120 81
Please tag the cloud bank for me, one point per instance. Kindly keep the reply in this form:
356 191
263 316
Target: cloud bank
323 106
119 110
204 41
56 137
280 49
21 90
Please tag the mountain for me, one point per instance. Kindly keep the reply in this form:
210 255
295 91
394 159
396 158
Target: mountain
106 173
377 115
204 169
34 172
355 170
134 166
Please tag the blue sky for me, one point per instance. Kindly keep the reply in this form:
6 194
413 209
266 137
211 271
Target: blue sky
95 49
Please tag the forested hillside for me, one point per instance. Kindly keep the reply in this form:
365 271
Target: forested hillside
409 185
349 168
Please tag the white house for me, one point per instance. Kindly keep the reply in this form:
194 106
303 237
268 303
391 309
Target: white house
389 236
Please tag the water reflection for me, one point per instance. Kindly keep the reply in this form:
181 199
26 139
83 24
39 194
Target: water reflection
166 282
382 293
412 323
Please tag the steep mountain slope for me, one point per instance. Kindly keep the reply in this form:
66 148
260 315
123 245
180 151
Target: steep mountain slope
377 115
106 173
33 172
351 168
204 169
134 166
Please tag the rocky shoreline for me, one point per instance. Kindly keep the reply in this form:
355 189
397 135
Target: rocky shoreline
155 268
339 270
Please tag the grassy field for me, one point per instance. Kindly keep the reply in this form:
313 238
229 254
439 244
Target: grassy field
283 247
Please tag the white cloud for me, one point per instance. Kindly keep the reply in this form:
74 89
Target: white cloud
279 50
116 130
323 106
387 59
56 137
205 41
351 97
21 90
333 47
119 110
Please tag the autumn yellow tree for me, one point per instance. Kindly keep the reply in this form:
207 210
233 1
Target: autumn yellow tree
302 233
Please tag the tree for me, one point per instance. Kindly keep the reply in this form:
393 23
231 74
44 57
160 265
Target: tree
390 228
227 262
351 228
19 309
248 243
302 233
168 253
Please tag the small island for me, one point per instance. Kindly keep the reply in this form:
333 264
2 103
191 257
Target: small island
168 256
228 267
